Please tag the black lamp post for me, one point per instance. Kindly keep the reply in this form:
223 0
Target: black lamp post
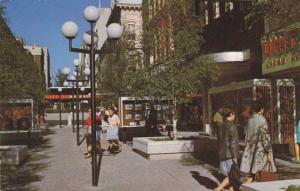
66 72
76 82
70 30
82 110
59 89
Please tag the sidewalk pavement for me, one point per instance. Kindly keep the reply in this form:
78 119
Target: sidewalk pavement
59 164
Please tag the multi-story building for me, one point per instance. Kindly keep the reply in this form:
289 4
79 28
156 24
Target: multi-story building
42 59
129 14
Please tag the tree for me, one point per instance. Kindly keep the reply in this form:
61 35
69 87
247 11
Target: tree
2 8
117 73
171 67
19 75
60 78
173 40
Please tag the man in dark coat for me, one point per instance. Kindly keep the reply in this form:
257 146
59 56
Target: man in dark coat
228 144
151 122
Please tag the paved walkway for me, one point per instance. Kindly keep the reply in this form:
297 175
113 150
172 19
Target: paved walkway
58 164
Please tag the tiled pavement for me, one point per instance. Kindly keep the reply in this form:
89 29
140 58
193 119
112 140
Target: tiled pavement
59 165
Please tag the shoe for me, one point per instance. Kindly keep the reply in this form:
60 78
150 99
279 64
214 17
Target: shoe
88 156
86 153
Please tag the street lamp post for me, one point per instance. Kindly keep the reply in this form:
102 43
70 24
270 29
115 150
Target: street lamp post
75 81
70 30
60 92
82 111
66 72
76 64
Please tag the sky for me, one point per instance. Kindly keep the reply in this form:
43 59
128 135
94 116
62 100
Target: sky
39 22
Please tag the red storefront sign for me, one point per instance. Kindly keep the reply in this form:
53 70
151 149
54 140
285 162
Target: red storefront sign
281 49
64 97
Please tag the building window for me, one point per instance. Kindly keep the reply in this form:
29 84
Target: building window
216 10
131 31
228 6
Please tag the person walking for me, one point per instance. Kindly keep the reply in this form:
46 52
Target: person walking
217 121
88 123
228 147
297 143
113 132
151 122
258 154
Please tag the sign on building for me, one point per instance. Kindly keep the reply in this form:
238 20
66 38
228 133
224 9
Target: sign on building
281 49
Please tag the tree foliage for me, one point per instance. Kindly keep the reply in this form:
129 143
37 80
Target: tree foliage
173 41
117 73
19 76
60 78
171 67
277 11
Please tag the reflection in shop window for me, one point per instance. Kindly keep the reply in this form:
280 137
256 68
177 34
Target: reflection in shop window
228 6
206 17
216 10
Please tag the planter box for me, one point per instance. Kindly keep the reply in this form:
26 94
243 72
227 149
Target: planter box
16 137
173 149
269 186
13 155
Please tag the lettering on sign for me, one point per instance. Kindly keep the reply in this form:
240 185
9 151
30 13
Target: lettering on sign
281 50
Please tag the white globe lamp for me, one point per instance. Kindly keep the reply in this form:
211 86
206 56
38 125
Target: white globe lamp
114 31
87 71
66 84
72 78
87 38
66 71
70 29
91 14
76 62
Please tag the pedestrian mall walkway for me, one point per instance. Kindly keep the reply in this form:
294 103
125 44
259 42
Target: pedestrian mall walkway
59 164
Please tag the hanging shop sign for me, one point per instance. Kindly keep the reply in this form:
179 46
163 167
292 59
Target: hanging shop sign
281 49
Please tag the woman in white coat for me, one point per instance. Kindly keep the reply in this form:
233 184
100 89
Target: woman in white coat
258 153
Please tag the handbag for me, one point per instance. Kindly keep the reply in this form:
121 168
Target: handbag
265 176
236 177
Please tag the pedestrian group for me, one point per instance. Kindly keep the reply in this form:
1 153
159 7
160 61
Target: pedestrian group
257 162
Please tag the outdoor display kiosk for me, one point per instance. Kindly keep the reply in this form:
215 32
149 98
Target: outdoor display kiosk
17 115
278 98
132 111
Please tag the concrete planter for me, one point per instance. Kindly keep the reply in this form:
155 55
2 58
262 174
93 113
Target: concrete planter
16 137
13 155
172 149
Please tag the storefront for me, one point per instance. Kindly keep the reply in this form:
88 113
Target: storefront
281 60
277 97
